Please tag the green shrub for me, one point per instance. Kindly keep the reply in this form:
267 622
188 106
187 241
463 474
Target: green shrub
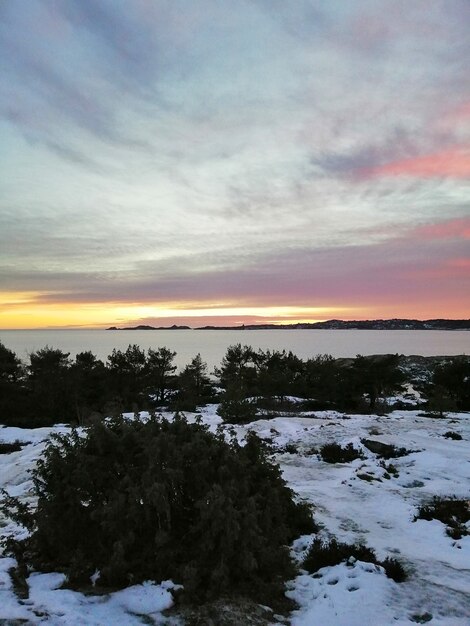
334 453
390 469
235 409
385 450
289 448
328 553
332 552
450 434
421 618
452 512
139 500
394 569
8 448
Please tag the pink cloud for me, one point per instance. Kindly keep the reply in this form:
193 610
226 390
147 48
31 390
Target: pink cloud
458 228
462 112
450 270
460 264
453 162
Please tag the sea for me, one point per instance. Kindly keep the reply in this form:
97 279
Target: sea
212 344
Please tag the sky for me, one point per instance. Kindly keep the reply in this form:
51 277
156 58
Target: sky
217 162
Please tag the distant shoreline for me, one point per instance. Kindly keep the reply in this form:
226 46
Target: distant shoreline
392 324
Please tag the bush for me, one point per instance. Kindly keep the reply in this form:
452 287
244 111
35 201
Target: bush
451 511
450 434
138 500
385 450
394 569
332 552
334 453
328 553
8 448
390 469
235 409
450 380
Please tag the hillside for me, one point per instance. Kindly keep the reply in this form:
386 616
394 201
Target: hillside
392 324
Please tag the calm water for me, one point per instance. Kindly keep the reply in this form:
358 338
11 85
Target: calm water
213 344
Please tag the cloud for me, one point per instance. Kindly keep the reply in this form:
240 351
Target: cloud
343 276
209 154
453 163
457 228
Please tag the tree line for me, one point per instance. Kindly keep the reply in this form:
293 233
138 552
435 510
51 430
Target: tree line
52 387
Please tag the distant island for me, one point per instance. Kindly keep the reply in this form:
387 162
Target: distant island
145 327
392 324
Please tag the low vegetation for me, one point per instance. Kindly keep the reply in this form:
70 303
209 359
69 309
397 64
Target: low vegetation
385 450
452 512
328 553
53 388
289 448
8 448
155 500
389 470
421 618
335 453
123 501
453 435
235 409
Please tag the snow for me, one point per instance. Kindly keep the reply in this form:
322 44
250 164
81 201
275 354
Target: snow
63 606
378 512
344 595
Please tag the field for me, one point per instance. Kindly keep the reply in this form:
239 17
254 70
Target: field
370 500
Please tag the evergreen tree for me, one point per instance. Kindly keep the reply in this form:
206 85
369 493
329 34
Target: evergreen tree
320 379
12 390
453 379
160 373
440 401
89 385
49 382
126 376
194 385
373 377
235 408
239 370
11 367
138 500
279 374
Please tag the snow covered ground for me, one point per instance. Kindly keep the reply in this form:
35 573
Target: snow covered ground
352 501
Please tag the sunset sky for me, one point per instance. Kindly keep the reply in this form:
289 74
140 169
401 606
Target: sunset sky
223 162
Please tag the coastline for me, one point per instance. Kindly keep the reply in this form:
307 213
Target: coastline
380 324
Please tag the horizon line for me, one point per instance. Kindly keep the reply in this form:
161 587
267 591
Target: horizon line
235 327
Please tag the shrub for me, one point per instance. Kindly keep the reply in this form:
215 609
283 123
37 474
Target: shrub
138 500
332 552
334 453
8 448
368 477
194 386
450 434
394 569
328 553
385 450
421 618
390 469
451 511
450 380
236 409
289 448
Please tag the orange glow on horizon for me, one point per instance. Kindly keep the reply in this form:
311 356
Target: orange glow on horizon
25 311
